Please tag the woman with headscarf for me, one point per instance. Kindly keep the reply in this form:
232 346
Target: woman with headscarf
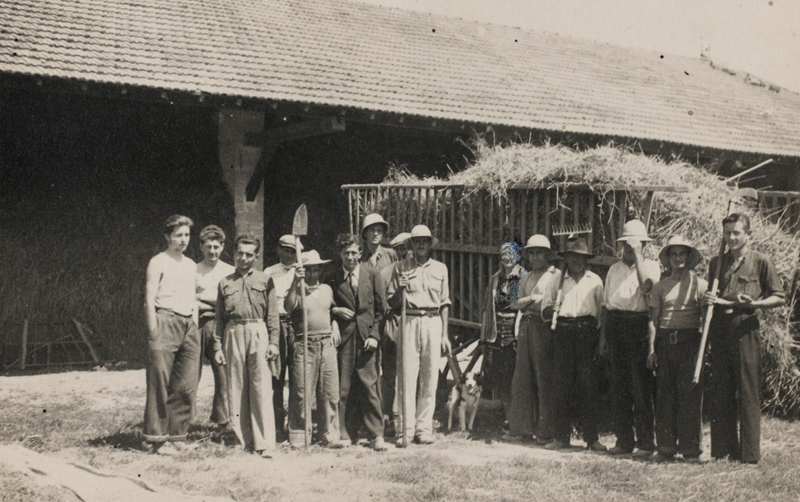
498 323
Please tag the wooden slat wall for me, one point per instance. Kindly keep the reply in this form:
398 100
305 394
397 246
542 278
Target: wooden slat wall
782 208
471 225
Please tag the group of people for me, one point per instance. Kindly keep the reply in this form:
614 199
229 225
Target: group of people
332 336
543 329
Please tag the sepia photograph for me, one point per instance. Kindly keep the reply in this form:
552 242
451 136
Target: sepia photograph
401 250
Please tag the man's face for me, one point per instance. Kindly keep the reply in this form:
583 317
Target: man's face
350 256
286 255
312 275
537 257
678 257
628 255
735 235
373 234
212 249
179 238
245 257
422 247
575 262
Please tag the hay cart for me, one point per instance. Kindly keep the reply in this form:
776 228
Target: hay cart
471 224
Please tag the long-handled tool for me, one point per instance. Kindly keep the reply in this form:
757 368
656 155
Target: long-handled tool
743 193
571 231
300 228
401 389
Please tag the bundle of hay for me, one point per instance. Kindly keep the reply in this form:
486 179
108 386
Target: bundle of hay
695 214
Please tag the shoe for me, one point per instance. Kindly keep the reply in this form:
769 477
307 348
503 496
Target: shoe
378 444
264 453
166 449
389 429
183 446
543 441
691 459
597 446
339 444
643 454
424 439
618 450
556 445
399 443
660 458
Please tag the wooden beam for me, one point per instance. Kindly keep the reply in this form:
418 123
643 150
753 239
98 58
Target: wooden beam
271 138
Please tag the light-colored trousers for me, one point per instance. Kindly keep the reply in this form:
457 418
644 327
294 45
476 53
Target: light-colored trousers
422 350
250 385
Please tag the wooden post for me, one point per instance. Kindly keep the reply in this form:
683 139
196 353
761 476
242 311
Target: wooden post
24 354
590 211
86 340
350 208
461 296
535 212
547 215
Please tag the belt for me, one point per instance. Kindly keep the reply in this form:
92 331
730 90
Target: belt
676 336
247 321
507 315
627 314
422 312
581 322
313 338
172 312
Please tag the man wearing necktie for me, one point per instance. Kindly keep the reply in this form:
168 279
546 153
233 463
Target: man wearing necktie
360 297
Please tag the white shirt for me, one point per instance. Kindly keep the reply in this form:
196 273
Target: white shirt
354 279
623 291
282 277
176 285
528 288
578 299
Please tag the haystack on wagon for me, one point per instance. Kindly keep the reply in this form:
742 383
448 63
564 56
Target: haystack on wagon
471 223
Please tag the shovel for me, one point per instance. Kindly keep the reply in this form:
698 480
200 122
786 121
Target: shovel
738 195
300 228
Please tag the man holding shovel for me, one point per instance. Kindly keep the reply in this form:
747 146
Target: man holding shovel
748 282
423 283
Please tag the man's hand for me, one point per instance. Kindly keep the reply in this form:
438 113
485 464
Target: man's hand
402 280
743 300
272 352
219 358
652 361
343 313
445 344
547 314
336 337
711 299
300 273
370 345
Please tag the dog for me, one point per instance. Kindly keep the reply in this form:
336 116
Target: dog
465 395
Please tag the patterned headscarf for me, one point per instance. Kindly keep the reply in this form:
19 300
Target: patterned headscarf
512 248
508 291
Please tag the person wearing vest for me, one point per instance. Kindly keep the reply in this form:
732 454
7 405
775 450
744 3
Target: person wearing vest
625 316
748 282
248 330
282 274
173 347
209 273
575 341
425 337
532 409
321 373
674 340
360 296
498 324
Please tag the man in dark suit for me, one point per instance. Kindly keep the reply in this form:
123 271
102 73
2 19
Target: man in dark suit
360 297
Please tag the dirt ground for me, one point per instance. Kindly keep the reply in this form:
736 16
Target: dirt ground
95 418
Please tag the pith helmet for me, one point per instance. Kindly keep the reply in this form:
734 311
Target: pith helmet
540 241
287 241
400 238
634 230
694 259
311 258
423 231
374 219
577 245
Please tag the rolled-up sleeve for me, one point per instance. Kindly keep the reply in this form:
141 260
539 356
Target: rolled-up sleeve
273 315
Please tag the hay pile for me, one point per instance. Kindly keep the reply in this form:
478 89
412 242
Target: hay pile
695 214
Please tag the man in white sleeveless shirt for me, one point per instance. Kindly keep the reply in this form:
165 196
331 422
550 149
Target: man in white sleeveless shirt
173 348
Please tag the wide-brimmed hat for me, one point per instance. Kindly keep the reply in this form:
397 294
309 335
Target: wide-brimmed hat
577 245
634 230
374 219
287 241
423 231
400 238
311 258
539 241
695 258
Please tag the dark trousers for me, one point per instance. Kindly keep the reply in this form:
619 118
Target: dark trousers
575 367
735 387
679 422
532 409
279 380
323 380
389 366
173 356
219 406
500 372
359 390
632 384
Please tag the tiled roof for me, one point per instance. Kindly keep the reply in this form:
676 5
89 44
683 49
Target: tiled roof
338 53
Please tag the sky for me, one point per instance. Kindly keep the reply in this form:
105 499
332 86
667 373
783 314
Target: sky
758 37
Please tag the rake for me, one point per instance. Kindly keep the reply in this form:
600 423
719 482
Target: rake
583 228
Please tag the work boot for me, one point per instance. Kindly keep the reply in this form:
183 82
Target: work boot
424 439
618 450
378 444
643 454
661 458
596 446
556 445
166 449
